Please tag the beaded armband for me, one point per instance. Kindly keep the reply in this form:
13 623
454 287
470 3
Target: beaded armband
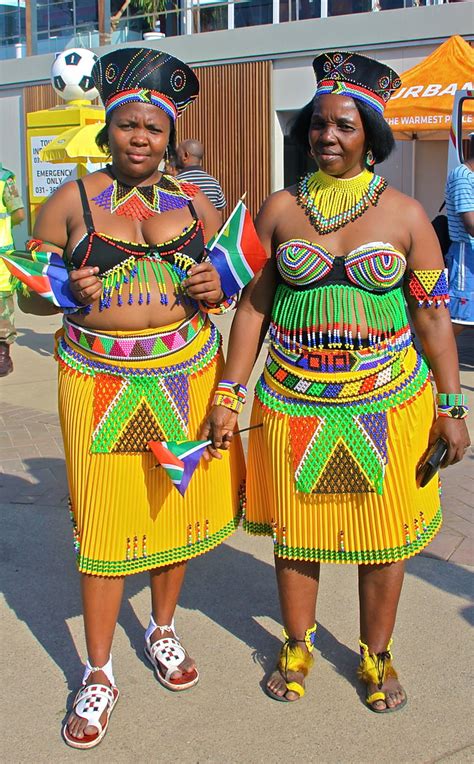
231 395
217 308
453 405
429 287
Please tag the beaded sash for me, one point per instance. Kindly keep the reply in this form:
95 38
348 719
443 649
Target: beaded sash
139 348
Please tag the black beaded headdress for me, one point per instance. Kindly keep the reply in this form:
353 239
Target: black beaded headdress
145 75
351 74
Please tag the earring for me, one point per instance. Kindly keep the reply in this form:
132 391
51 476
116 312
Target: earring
369 158
167 154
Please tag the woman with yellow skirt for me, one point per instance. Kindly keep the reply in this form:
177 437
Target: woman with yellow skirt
138 363
345 405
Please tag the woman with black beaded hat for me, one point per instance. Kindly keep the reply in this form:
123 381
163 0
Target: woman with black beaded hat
345 399
138 363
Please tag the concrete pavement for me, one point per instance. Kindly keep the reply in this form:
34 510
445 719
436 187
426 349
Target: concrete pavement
229 619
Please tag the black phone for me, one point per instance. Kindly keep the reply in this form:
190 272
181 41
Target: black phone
431 463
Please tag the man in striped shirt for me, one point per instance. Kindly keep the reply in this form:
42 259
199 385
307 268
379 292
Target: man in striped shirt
460 257
189 156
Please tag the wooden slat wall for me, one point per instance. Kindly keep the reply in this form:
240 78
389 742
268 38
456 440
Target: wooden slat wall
37 97
232 119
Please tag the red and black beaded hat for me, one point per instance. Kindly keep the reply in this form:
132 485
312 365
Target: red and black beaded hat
145 75
351 74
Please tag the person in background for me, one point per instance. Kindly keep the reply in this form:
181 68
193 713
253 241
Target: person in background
12 212
189 156
459 197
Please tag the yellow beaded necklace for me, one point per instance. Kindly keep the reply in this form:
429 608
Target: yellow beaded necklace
331 203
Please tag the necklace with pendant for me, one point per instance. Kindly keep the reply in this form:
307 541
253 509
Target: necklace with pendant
142 202
331 203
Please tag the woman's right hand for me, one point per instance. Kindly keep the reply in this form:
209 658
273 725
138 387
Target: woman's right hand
218 427
85 285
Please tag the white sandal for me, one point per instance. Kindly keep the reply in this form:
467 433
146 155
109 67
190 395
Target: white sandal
166 656
90 703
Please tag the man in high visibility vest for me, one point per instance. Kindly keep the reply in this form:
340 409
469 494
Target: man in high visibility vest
12 212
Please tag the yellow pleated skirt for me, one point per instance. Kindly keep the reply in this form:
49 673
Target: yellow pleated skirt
127 515
374 524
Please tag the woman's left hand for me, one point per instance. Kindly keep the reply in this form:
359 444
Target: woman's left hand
204 283
454 432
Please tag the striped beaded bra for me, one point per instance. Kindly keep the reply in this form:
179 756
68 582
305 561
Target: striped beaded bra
128 268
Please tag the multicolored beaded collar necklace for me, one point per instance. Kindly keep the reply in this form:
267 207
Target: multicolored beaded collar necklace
331 203
142 202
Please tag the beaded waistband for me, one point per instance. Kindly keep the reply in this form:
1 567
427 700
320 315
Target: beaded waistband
139 347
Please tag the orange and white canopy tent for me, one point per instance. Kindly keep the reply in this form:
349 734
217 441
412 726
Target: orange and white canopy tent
422 107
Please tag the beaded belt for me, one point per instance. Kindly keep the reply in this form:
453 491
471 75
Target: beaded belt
139 347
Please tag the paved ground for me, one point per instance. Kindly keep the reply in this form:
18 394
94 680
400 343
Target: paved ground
229 617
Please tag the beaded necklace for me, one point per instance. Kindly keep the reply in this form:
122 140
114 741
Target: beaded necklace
142 202
331 203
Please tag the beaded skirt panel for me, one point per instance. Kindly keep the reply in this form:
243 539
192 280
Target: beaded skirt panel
127 515
331 475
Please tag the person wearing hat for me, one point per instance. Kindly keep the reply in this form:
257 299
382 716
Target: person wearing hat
138 363
345 399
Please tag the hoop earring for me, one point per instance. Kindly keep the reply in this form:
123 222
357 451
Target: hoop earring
369 158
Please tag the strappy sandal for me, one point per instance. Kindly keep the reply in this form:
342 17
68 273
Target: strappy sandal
375 668
91 701
294 658
166 656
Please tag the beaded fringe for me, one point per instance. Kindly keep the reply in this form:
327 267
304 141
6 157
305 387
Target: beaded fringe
324 317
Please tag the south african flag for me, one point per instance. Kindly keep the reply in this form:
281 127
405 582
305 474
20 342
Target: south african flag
236 252
179 459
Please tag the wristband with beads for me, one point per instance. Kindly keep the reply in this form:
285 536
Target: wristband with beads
229 401
451 399
217 308
225 386
453 412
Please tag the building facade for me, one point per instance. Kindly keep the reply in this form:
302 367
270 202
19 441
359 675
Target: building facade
254 80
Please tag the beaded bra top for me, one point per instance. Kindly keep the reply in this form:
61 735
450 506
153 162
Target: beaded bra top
374 266
127 268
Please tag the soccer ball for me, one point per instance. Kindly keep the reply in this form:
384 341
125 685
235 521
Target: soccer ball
71 74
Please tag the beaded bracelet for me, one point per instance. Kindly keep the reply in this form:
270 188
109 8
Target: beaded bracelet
217 308
234 404
452 405
232 395
451 399
453 412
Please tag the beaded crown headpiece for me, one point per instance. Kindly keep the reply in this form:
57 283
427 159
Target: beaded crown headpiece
145 75
351 74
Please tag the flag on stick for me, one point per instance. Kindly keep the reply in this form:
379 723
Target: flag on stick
236 252
179 459
44 273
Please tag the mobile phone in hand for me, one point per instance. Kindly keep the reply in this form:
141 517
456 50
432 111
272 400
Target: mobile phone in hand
431 463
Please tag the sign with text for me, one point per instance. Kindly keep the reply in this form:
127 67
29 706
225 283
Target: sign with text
46 177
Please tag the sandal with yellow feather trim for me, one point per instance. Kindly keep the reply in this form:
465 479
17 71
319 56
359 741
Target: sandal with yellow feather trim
376 668
294 659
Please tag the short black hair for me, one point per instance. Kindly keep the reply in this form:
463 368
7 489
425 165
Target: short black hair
102 137
378 135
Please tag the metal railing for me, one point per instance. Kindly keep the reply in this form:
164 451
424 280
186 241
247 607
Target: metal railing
62 24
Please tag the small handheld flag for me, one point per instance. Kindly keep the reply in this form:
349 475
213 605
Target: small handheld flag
44 273
181 457
236 252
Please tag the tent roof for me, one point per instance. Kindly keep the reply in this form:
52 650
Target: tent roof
422 106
